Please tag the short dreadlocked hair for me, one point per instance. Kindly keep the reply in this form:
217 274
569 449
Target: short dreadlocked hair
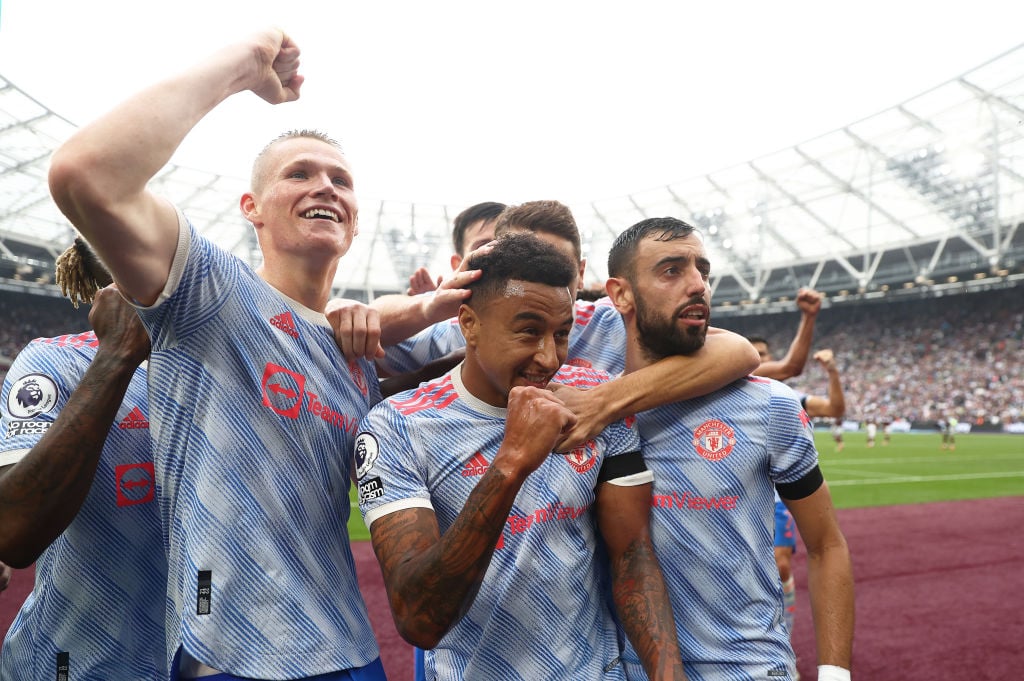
81 273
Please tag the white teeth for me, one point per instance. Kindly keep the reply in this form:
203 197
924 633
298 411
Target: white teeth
314 213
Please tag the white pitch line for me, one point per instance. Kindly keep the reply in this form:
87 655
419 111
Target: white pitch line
926 478
916 459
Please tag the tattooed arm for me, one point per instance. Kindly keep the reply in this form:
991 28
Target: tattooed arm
638 587
432 579
41 494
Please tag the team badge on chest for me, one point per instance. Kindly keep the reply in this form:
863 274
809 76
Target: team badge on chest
714 440
584 457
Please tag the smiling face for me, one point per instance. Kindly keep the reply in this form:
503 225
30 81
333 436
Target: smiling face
670 295
302 200
519 338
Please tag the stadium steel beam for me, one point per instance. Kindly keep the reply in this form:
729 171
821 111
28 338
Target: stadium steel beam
988 96
850 189
639 208
603 219
733 258
801 205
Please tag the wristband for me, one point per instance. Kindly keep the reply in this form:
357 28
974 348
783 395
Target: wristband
830 672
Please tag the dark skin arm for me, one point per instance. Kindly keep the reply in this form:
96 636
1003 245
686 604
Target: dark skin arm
638 587
433 579
41 494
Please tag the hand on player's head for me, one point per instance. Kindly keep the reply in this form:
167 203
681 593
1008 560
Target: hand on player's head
452 291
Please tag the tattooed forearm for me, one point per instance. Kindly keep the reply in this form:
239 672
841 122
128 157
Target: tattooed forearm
642 602
432 581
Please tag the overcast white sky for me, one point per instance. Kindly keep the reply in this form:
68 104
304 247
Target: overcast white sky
459 102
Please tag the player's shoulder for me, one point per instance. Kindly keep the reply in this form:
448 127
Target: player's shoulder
56 353
580 377
600 311
424 400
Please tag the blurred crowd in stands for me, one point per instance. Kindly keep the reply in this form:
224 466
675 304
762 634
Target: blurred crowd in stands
29 316
918 360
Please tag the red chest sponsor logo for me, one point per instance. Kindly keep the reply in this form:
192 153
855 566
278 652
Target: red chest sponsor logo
134 483
714 440
583 458
283 393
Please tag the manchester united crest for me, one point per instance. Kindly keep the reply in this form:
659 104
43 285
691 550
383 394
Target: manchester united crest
584 457
714 440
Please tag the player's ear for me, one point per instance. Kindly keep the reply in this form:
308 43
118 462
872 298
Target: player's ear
621 294
583 269
469 323
455 261
247 204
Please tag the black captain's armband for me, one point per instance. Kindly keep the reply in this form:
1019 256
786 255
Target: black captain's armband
804 487
622 466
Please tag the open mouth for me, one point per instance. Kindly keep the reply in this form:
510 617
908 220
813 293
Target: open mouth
321 214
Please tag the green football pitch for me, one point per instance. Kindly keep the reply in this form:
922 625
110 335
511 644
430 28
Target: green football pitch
911 469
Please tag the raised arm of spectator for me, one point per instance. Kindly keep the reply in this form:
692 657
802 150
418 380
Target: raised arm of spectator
725 357
793 363
98 177
41 494
833 404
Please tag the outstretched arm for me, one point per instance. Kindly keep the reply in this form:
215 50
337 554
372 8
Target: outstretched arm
829 576
793 363
41 494
638 587
98 177
725 357
834 404
432 579
404 316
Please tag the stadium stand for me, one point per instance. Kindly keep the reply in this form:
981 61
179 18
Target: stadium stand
917 360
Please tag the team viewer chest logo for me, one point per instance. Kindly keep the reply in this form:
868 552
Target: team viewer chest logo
134 483
283 390
714 440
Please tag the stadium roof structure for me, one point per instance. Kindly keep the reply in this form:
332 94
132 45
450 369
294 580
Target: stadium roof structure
925 196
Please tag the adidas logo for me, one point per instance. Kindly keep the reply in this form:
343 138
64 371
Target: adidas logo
477 465
135 419
285 322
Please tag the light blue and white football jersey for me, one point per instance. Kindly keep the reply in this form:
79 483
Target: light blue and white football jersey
597 341
255 413
97 607
716 460
541 612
